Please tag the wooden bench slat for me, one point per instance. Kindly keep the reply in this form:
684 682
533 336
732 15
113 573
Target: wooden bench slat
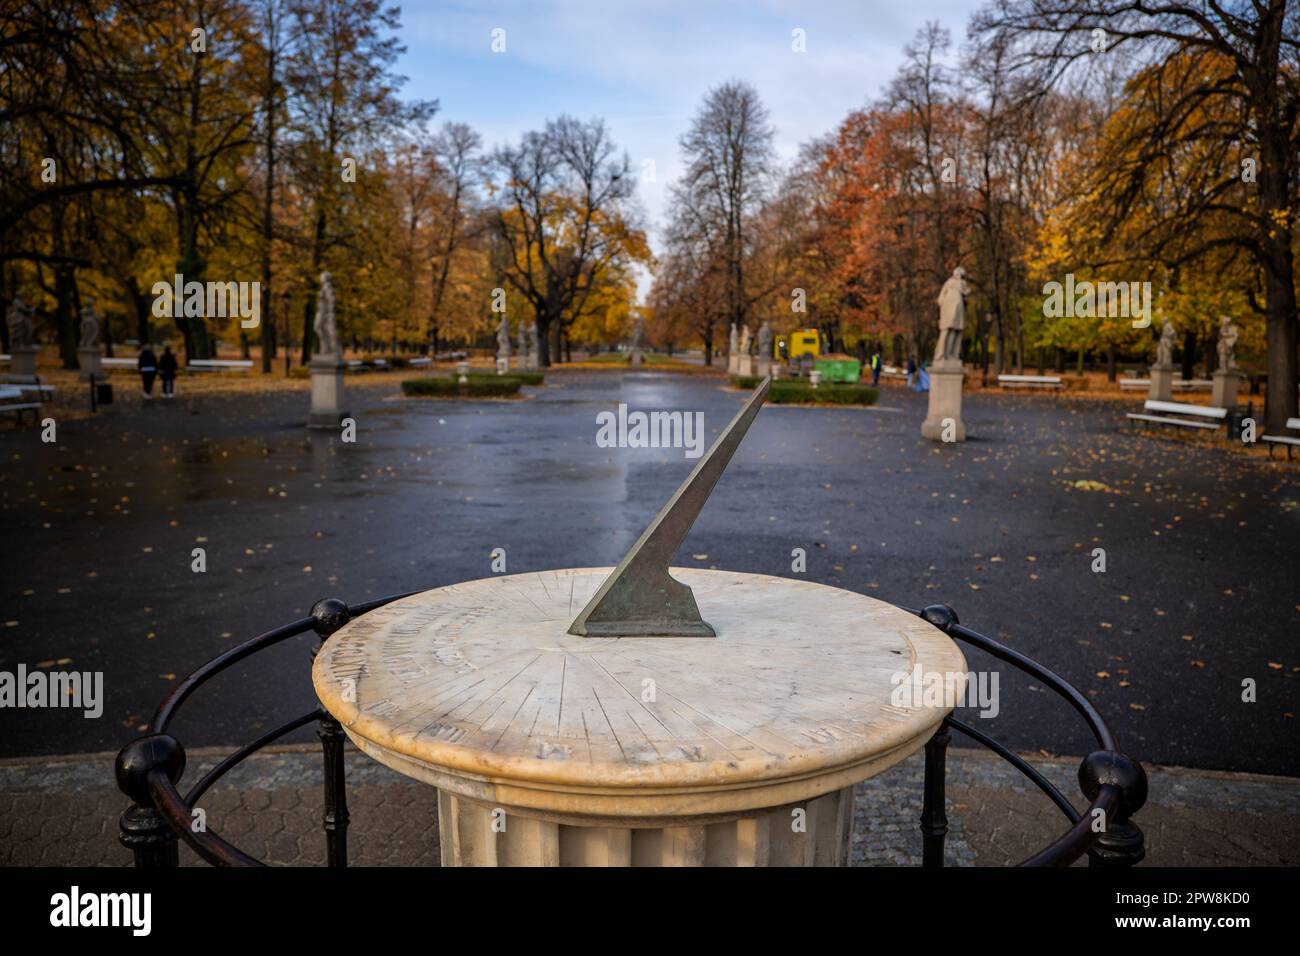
1180 408
1170 421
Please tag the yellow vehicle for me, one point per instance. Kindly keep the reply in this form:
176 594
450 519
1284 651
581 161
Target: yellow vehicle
803 342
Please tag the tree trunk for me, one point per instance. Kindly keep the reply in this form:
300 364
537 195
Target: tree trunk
543 340
1112 372
143 309
1189 354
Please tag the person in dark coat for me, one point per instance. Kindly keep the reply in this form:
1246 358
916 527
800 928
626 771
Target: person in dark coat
167 372
148 365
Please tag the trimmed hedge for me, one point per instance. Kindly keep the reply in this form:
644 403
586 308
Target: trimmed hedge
788 391
523 378
483 387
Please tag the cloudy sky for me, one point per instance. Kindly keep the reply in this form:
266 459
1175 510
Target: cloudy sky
644 65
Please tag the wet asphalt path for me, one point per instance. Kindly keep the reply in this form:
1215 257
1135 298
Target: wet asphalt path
1201 590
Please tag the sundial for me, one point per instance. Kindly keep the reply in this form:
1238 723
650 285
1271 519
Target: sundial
645 714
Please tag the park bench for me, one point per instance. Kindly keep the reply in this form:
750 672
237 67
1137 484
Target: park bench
220 365
1192 385
119 363
16 392
1189 416
1029 381
1289 441
418 362
1134 384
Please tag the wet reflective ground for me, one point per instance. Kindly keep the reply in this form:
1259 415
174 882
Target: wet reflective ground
1201 589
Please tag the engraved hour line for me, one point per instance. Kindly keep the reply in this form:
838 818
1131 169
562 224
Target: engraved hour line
502 702
673 735
628 714
601 704
651 652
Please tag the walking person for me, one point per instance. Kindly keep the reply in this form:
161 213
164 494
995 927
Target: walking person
148 365
911 370
167 372
875 367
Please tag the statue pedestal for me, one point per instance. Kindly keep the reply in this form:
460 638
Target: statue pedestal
503 365
1223 393
763 367
636 359
1162 383
946 379
733 363
326 392
744 365
22 361
88 360
532 360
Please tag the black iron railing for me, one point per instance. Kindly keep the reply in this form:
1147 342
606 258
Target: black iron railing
1115 784
149 768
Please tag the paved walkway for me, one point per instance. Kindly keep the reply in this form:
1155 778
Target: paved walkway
58 811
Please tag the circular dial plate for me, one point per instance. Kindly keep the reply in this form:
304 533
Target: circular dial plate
482 678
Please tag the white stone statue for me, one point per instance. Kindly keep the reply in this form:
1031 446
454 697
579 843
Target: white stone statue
327 333
745 340
952 316
735 341
765 340
1228 335
20 324
521 342
638 333
89 326
503 338
1165 347
532 343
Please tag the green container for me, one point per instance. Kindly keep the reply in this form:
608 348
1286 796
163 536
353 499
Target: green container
846 370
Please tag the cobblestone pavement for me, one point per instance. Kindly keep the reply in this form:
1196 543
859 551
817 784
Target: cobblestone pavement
58 811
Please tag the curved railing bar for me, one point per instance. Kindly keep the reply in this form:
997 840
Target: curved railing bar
1079 838
167 709
179 817
1082 836
1096 723
217 772
356 612
1019 763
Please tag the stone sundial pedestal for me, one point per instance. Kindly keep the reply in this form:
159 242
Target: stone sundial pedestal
641 715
